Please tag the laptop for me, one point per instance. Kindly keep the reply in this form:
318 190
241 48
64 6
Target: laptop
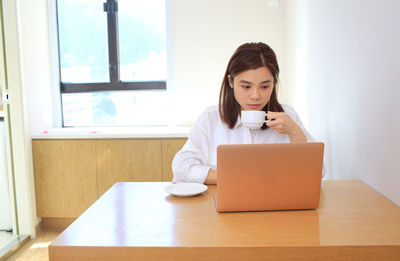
277 176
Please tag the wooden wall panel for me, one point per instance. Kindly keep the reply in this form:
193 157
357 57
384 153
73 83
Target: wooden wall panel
127 160
55 223
65 175
169 148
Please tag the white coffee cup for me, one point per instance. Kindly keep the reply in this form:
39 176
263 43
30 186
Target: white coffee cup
253 119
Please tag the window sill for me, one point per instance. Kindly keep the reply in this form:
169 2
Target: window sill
113 133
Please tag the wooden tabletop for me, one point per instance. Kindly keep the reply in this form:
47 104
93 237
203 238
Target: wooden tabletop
140 221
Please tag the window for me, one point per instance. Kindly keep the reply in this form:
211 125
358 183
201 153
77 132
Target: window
112 62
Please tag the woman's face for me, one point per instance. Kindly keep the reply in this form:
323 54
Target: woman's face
252 88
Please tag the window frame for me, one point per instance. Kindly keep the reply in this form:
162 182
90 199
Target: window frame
115 84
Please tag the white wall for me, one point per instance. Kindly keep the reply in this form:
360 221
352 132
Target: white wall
39 90
205 35
349 53
40 97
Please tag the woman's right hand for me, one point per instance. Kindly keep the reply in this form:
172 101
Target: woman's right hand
283 124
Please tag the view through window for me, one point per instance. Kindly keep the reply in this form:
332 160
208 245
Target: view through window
112 73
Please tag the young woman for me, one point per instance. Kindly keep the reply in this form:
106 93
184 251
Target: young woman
249 83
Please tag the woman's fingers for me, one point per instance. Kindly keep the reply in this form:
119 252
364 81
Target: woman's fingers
273 123
271 115
276 125
280 122
283 124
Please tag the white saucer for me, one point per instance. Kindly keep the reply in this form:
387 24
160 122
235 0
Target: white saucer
186 189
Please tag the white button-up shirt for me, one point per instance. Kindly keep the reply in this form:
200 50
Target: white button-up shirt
199 154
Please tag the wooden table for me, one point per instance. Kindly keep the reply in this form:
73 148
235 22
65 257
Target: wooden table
140 221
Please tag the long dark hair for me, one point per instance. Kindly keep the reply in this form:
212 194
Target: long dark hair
248 56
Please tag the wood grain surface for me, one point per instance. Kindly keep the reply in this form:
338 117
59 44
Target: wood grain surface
141 221
65 177
127 160
169 148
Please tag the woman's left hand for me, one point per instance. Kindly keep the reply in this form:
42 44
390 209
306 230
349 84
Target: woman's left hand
283 124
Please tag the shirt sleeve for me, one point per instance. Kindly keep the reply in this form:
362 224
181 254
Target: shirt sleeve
292 113
190 164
